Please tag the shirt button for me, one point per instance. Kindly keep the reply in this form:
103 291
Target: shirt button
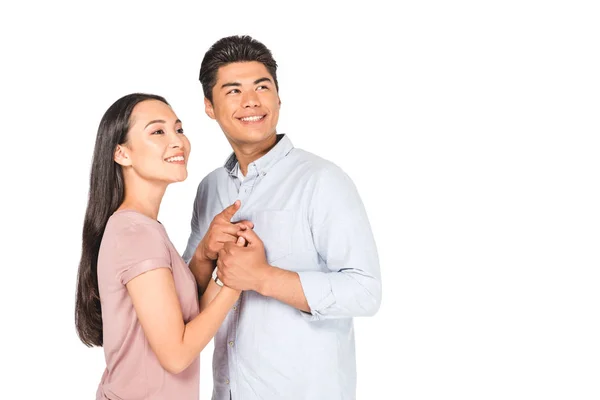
227 381
234 308
231 344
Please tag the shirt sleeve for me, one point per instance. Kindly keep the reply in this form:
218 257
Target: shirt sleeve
140 248
342 235
198 219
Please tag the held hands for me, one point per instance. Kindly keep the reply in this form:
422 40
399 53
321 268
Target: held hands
243 268
220 232
241 242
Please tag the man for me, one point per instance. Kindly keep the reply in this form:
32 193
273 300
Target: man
310 263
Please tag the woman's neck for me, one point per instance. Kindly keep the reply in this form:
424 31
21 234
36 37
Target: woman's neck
143 196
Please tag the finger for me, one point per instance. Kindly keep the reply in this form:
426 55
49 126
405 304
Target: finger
250 236
246 223
226 238
220 275
226 228
228 212
241 242
229 248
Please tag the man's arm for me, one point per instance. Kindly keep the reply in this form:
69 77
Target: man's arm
202 270
200 264
351 285
247 268
284 286
342 236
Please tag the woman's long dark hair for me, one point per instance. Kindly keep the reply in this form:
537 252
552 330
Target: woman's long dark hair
106 194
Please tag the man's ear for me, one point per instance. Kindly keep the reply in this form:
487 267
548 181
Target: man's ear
208 108
122 156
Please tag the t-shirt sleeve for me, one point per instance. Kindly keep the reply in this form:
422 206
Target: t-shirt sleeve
140 248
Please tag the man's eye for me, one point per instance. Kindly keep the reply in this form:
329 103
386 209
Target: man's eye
263 87
233 91
180 130
158 132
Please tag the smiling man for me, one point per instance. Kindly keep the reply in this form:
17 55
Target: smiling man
310 263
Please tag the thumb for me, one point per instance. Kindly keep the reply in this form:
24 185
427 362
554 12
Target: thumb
228 212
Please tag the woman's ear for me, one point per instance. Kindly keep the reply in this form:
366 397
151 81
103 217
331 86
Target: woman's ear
122 156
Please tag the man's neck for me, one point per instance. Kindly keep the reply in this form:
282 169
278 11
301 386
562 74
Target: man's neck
249 153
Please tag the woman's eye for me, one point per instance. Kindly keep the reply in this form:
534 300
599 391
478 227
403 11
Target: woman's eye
180 130
158 132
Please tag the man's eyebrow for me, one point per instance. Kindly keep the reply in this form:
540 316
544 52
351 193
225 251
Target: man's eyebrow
230 84
265 79
237 84
159 121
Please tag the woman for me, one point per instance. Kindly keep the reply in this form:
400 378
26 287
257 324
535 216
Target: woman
135 294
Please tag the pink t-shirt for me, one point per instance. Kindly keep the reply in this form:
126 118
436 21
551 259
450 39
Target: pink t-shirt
133 244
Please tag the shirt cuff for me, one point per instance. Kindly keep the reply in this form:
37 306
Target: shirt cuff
143 266
317 290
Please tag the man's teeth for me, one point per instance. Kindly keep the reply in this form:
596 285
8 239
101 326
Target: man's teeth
252 119
176 158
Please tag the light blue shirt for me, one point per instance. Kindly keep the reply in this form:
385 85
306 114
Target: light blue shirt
310 217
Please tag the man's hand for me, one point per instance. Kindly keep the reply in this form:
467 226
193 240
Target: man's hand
221 231
241 242
243 268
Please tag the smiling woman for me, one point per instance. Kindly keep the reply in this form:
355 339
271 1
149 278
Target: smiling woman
140 149
153 143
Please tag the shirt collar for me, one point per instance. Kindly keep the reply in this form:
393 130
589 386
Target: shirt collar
265 163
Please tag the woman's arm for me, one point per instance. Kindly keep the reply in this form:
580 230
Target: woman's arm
209 294
175 344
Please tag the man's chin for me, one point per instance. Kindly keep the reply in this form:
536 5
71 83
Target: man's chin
248 138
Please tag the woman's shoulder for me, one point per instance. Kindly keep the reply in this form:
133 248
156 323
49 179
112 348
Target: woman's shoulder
127 228
130 221
131 239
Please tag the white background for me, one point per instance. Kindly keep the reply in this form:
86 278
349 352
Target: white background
470 129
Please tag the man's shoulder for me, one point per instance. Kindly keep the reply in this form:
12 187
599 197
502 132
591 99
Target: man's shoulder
314 163
214 177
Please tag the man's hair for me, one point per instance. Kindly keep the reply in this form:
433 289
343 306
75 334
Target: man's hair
233 49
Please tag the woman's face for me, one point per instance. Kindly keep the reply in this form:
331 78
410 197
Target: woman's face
156 148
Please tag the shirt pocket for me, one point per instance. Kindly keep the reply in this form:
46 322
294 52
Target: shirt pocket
274 228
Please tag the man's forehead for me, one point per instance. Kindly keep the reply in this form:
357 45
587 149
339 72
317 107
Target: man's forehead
243 71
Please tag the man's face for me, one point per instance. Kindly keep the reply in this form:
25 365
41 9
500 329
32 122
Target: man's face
245 103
